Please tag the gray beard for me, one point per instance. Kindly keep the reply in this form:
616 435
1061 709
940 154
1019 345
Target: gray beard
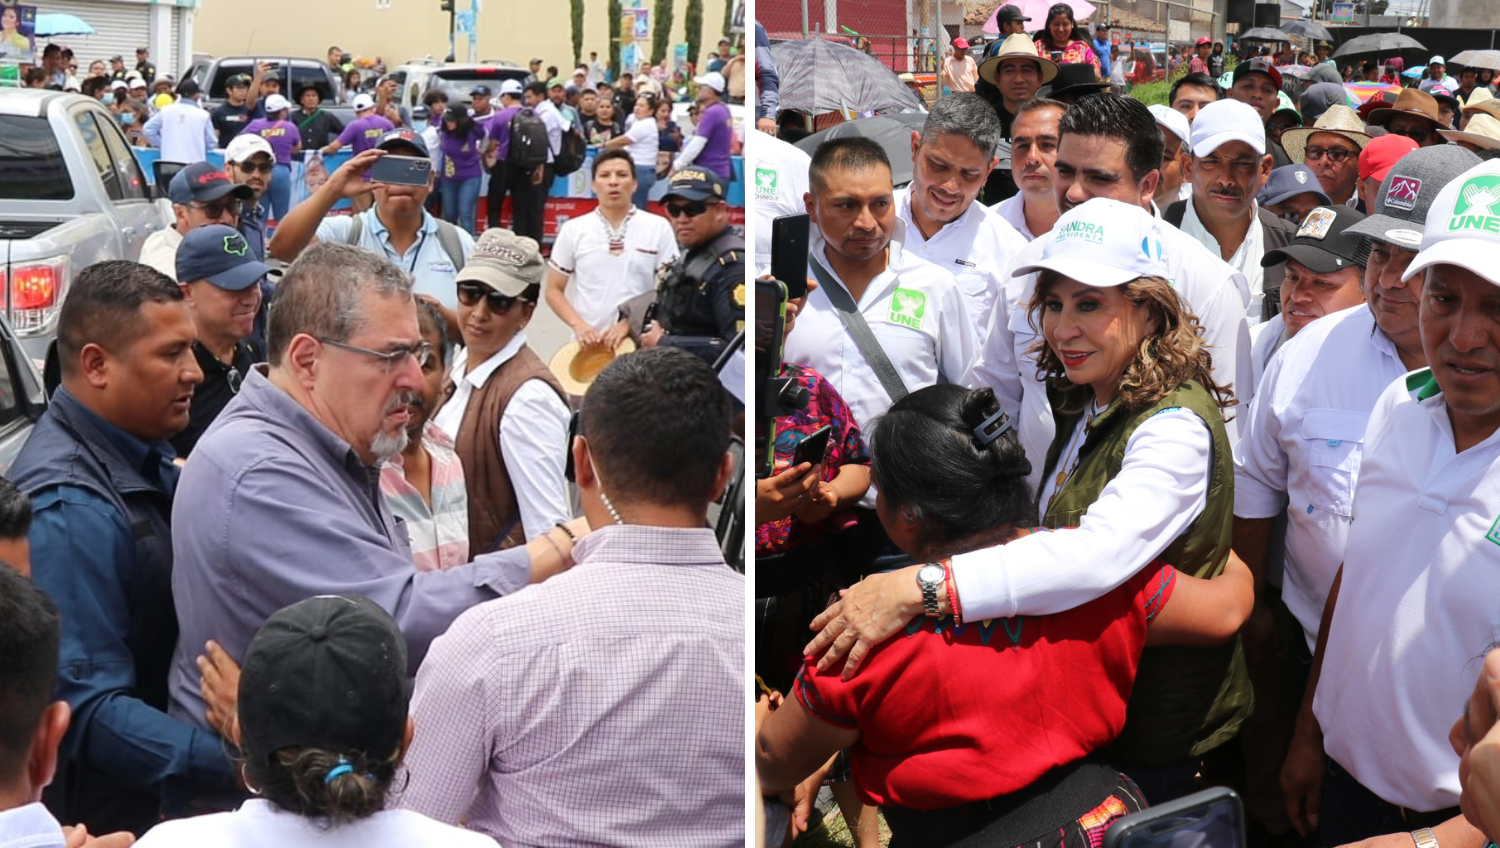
386 446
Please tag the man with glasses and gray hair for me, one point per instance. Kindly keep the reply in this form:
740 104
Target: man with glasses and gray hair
282 500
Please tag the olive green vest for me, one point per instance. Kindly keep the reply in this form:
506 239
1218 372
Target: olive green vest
1186 701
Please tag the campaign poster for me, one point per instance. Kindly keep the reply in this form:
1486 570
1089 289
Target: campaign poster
642 24
17 34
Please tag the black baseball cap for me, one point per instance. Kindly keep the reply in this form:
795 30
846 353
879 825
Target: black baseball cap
1323 242
694 183
481 91
186 88
1257 66
1009 13
402 138
220 255
201 182
329 672
237 81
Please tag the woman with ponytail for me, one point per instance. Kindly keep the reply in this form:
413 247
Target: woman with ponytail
323 727
986 732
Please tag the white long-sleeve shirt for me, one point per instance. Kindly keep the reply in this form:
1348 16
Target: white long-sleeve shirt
976 249
183 131
1161 488
533 437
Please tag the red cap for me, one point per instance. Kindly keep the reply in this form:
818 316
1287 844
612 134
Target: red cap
961 43
1382 154
1202 41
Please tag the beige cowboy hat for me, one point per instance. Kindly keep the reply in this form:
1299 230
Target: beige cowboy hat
1408 102
1483 131
1482 101
576 366
1340 120
1017 46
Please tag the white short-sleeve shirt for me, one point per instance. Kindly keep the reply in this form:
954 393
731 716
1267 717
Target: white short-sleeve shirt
778 180
1302 443
1417 606
598 280
259 822
976 249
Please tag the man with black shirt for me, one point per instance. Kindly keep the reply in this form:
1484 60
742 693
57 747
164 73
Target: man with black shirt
479 103
143 64
219 278
1011 76
502 181
240 106
316 126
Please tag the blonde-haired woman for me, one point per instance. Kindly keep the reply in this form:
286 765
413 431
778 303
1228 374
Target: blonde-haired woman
1140 464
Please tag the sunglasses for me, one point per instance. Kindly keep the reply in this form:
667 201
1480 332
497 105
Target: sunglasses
220 208
1418 136
1334 154
251 167
469 294
692 209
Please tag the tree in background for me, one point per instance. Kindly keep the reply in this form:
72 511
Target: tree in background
661 33
614 38
728 19
577 11
692 21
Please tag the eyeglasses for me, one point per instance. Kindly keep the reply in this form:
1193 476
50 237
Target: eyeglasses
220 208
469 294
421 352
1416 135
1334 154
692 209
251 167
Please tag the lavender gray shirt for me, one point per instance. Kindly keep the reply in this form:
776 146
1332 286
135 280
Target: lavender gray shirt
275 508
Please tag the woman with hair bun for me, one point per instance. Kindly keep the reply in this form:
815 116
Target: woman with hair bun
985 733
323 727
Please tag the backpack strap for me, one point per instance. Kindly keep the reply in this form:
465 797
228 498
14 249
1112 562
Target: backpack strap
448 237
356 229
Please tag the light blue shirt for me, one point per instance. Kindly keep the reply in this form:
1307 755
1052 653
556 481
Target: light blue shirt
30 826
431 268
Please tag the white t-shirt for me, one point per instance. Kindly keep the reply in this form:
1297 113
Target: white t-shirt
600 281
1301 445
644 140
976 249
1212 291
779 182
1416 609
917 313
259 823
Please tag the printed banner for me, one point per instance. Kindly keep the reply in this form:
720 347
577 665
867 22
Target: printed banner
17 35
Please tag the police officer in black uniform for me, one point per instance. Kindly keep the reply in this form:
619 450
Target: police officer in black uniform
700 298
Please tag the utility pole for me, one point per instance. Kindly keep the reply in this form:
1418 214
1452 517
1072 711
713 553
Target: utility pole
1221 13
804 18
473 31
452 27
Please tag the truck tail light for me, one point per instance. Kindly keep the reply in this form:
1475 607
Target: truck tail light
34 292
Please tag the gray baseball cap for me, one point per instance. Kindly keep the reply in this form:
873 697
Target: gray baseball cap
505 262
1407 192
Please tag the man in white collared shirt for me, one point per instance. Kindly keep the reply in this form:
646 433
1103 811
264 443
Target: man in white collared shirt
1414 604
779 182
183 131
952 157
914 309
1226 167
1033 150
1110 147
500 386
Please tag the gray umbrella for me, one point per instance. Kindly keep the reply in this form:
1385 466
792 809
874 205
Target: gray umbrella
1265 34
1477 59
1380 42
893 132
819 76
1307 29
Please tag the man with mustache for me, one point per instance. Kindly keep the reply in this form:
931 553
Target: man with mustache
424 483
952 157
1304 440
221 280
1227 166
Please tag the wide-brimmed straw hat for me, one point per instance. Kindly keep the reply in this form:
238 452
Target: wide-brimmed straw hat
576 366
1483 130
1018 46
1339 120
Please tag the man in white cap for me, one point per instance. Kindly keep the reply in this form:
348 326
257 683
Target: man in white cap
1175 132
710 144
1032 211
1413 605
365 131
951 158
503 178
1437 74
1226 167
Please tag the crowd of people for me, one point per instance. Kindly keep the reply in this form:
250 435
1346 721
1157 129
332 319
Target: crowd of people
1158 350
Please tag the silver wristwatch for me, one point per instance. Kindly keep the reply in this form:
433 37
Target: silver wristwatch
930 581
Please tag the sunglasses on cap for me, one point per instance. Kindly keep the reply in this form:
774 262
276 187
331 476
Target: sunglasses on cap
469 294
692 208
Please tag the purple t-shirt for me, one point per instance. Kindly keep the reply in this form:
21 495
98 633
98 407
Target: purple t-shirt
281 135
364 133
499 129
718 134
461 153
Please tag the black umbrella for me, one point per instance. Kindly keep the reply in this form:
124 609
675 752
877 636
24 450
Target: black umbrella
1265 34
893 132
819 76
1380 42
1307 29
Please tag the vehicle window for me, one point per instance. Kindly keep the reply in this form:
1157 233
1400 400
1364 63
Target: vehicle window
304 75
199 73
10 407
458 83
132 179
99 153
32 161
223 72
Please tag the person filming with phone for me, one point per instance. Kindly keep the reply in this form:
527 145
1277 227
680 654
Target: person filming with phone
397 227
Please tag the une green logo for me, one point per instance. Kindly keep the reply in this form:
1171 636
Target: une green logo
1480 194
908 308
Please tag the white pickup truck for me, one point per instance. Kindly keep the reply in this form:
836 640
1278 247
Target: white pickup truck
71 194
